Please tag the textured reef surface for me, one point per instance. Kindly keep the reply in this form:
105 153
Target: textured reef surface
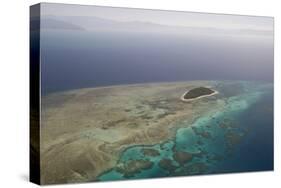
146 131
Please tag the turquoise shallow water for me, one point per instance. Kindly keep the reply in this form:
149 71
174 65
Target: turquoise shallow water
219 142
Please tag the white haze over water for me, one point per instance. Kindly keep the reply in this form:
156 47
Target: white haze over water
170 18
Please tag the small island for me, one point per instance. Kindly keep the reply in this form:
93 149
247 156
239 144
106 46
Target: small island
197 93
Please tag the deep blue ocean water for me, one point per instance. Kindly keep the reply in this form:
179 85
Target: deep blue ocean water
77 59
256 151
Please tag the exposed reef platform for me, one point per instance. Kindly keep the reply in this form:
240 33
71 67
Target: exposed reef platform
93 126
93 134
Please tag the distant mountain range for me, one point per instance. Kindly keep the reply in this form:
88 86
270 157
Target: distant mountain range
96 23
51 23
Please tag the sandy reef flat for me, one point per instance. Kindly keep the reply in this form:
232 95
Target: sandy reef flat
84 132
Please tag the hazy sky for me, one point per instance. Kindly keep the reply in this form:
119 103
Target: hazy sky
178 18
